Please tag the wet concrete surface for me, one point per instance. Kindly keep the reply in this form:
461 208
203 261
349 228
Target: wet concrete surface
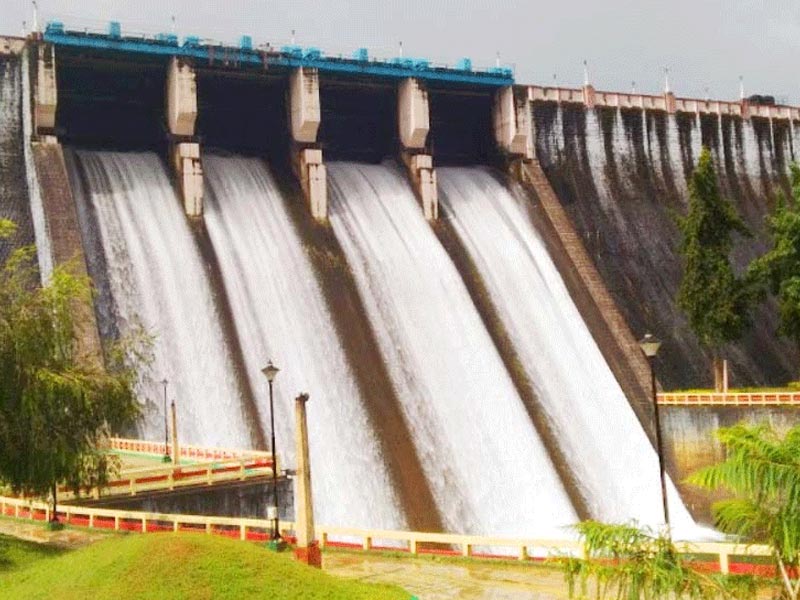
429 579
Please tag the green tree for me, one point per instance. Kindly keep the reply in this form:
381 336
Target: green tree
716 301
56 403
779 269
629 563
762 472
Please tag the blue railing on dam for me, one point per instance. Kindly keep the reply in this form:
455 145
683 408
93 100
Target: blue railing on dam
288 57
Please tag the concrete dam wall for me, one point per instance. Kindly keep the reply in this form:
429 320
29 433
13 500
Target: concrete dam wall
621 173
384 232
14 200
691 444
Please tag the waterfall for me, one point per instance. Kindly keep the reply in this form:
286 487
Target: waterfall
155 279
601 437
44 252
489 472
280 314
752 152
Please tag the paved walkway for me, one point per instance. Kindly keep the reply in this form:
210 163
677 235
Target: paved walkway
35 531
432 580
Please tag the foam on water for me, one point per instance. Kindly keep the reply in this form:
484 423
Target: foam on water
489 472
44 252
280 314
598 431
156 279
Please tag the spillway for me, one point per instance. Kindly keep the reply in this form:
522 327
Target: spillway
280 314
148 271
488 469
598 431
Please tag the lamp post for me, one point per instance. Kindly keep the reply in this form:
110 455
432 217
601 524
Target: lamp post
650 345
166 458
270 371
176 453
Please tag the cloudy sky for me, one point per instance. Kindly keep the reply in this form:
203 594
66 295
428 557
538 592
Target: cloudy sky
707 44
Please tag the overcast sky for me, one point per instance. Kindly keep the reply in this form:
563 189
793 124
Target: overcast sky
707 44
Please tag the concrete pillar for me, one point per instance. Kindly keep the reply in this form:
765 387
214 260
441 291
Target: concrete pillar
305 110
669 101
311 172
588 96
307 549
181 98
423 178
11 46
504 117
413 120
413 114
181 108
46 93
176 451
189 170
304 121
512 122
745 109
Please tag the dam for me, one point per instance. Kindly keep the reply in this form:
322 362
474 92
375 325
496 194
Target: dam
455 266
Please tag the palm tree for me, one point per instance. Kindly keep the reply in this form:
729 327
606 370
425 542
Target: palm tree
762 472
629 562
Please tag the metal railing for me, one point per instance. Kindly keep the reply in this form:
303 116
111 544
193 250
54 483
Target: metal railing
658 102
198 465
186 451
143 522
723 555
730 399
168 477
277 44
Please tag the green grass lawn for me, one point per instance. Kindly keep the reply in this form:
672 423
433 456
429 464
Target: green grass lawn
17 554
170 566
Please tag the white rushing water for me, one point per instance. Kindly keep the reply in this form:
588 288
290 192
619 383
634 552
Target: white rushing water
280 314
488 470
599 433
44 252
157 280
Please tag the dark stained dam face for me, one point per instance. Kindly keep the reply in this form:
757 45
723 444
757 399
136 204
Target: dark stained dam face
622 177
14 201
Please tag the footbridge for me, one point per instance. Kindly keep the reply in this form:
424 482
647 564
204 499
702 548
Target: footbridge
148 467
